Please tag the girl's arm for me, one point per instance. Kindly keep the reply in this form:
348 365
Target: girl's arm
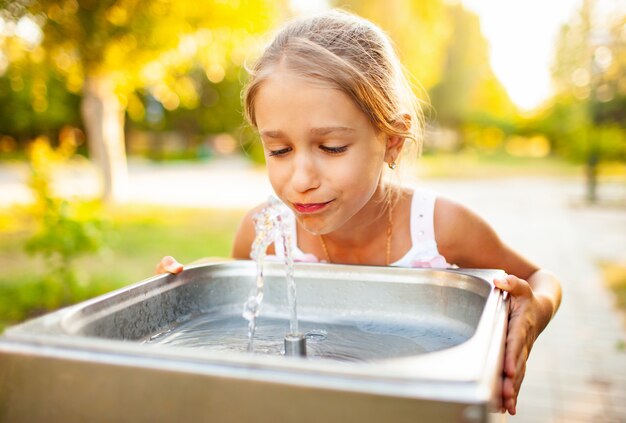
468 241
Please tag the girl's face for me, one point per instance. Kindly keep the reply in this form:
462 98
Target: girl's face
324 157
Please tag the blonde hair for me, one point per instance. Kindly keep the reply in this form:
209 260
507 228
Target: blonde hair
348 53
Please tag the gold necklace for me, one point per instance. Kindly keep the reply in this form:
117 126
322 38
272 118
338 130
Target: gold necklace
387 249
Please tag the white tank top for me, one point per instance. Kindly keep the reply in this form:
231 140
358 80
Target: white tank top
423 251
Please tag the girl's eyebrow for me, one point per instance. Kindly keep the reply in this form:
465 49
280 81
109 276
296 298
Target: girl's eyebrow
329 129
272 134
314 131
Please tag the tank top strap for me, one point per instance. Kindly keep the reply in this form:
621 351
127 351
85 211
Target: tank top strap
424 251
423 216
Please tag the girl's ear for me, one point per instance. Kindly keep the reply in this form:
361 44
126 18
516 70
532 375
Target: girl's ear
396 142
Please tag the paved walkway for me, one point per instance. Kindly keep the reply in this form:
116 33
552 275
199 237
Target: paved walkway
576 372
577 369
230 183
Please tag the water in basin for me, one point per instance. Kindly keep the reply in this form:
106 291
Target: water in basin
344 340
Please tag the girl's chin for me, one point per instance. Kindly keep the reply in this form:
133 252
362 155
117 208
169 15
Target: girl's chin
313 226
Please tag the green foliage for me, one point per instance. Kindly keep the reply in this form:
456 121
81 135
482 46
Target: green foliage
177 66
468 90
218 109
171 65
140 236
30 295
65 230
586 120
119 38
442 46
420 30
35 102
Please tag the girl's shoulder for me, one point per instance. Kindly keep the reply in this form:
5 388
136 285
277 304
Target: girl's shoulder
467 240
453 219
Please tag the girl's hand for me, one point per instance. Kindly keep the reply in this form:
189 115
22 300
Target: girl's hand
521 334
168 264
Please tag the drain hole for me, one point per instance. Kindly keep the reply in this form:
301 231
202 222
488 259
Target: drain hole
316 335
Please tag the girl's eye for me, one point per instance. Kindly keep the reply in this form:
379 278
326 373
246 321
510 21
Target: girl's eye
334 150
279 152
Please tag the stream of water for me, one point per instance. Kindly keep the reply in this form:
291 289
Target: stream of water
270 223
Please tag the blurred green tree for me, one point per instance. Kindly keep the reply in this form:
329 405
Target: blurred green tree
33 102
587 117
107 49
65 230
468 95
420 31
466 62
442 47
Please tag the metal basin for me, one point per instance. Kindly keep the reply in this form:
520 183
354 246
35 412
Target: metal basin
411 344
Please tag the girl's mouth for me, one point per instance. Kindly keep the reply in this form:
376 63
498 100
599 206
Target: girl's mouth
310 207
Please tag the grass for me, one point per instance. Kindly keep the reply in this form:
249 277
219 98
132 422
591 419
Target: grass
140 237
614 274
473 165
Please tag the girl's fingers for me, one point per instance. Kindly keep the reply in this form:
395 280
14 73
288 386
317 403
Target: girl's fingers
168 264
517 347
510 391
510 406
518 379
513 285
516 352
513 378
508 395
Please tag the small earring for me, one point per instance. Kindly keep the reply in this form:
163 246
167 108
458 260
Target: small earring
392 165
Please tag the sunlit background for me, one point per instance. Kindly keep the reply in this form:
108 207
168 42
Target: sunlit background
90 90
521 38
507 68
161 80
88 87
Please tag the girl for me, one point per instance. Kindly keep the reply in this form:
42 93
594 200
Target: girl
333 110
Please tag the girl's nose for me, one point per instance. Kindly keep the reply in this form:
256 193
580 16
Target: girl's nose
305 175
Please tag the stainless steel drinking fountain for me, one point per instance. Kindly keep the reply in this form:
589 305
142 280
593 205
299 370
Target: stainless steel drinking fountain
386 344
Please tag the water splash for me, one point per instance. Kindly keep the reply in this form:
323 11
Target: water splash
269 223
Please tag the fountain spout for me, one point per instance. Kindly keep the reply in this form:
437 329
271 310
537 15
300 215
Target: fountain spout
295 345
